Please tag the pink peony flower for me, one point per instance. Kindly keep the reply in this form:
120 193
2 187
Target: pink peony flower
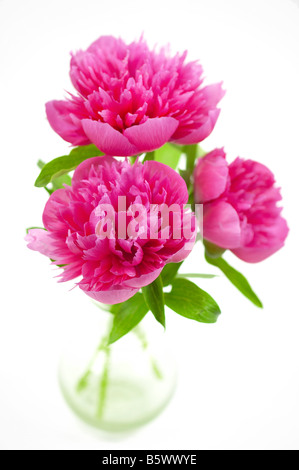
240 206
101 228
132 100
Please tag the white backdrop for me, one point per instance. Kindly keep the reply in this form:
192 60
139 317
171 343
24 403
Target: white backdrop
239 380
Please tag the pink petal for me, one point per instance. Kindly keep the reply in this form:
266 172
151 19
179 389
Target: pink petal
152 134
184 252
59 117
256 252
108 42
210 176
82 171
205 129
51 220
221 225
174 183
107 139
111 297
213 94
41 241
143 280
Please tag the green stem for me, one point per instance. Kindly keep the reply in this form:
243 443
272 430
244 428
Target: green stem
144 343
104 383
149 156
156 369
83 381
191 154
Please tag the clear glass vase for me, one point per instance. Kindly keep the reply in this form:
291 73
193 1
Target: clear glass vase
120 387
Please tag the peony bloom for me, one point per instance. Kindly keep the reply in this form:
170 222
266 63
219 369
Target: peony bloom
107 227
132 100
240 206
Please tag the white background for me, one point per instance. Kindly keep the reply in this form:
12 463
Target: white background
239 379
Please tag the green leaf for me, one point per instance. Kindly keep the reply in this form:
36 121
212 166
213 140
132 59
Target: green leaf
59 182
169 273
154 298
236 278
188 300
126 316
40 164
62 165
196 276
169 155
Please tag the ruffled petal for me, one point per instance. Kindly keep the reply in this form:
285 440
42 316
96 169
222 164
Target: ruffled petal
152 134
213 94
40 240
184 252
83 170
59 114
143 280
205 129
111 297
166 177
221 225
210 176
107 139
51 220
260 248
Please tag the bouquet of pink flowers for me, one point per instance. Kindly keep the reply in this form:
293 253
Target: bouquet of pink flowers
143 192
